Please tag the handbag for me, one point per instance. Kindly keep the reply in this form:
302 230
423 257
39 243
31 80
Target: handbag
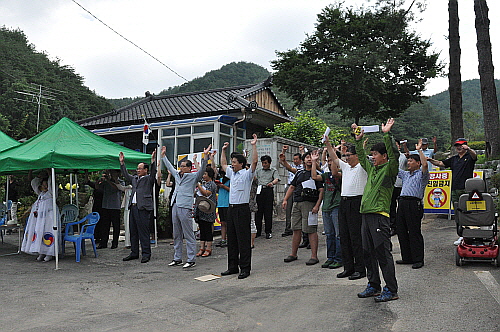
310 195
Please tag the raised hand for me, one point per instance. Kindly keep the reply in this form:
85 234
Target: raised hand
254 140
207 150
315 155
418 146
163 151
284 149
225 146
358 134
121 157
388 125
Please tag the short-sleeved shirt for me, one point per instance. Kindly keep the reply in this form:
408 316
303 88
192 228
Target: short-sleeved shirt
291 175
241 183
265 176
461 169
353 179
223 197
413 183
301 177
331 197
429 153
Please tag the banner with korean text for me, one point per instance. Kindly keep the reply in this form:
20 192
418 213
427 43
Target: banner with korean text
437 197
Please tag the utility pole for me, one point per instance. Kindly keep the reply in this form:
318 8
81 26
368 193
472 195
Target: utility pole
38 93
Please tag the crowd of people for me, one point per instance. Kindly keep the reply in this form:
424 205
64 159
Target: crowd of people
364 198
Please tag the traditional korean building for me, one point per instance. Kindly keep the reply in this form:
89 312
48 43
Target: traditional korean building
187 122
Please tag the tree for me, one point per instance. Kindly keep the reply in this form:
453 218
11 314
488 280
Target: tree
486 72
306 128
454 76
365 62
21 66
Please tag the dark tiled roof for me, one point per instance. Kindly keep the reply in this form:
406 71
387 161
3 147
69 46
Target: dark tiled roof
178 106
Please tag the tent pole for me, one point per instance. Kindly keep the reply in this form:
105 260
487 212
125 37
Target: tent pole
70 188
54 210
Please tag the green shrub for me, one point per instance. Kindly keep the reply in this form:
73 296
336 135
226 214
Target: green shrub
477 145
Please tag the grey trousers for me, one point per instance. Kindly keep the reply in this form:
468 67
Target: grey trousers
183 226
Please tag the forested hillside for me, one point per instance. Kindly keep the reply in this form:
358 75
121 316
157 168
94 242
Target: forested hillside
23 69
232 74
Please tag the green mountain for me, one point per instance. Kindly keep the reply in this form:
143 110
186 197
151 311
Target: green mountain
232 74
25 74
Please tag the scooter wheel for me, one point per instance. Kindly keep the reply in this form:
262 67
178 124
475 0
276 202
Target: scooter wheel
459 261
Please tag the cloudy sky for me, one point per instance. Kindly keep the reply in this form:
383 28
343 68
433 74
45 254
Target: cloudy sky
197 36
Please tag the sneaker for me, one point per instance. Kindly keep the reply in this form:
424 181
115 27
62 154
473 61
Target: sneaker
269 235
386 295
335 265
369 291
457 242
327 264
223 243
188 265
175 263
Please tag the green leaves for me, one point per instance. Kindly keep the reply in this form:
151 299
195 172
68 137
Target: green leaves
306 129
363 62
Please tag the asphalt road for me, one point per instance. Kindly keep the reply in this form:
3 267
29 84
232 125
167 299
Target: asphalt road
107 294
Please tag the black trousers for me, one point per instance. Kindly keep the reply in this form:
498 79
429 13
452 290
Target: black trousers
110 217
409 230
265 203
394 205
350 234
139 231
239 251
376 234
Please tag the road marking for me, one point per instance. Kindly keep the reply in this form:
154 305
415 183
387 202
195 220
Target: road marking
490 283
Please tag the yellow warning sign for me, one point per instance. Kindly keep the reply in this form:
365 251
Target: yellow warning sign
476 205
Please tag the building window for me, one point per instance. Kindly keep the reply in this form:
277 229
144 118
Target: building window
184 131
203 129
201 144
168 132
183 145
241 133
169 143
225 129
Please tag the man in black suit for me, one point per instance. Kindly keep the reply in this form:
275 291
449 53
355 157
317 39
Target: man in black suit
141 206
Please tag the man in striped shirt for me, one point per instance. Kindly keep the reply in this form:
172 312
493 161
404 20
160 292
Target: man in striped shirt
410 209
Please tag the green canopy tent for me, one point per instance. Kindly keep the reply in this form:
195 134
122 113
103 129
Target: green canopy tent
6 142
66 147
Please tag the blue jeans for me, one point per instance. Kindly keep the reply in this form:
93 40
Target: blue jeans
331 227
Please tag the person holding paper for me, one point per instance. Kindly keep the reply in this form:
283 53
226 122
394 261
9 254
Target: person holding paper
353 183
375 208
307 197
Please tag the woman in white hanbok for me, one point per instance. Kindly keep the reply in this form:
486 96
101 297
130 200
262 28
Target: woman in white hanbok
39 235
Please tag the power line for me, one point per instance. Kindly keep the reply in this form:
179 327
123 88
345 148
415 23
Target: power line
131 42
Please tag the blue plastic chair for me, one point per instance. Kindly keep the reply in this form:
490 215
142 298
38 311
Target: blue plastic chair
86 232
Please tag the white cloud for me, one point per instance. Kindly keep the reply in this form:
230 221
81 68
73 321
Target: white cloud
193 37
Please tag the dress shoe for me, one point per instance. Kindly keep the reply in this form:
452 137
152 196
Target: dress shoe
344 274
400 261
417 265
101 247
243 275
144 259
357 275
130 257
229 272
269 235
286 233
114 246
304 244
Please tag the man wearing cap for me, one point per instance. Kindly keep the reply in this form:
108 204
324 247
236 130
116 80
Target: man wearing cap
428 153
461 165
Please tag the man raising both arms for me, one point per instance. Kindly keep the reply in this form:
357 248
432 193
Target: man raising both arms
239 251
